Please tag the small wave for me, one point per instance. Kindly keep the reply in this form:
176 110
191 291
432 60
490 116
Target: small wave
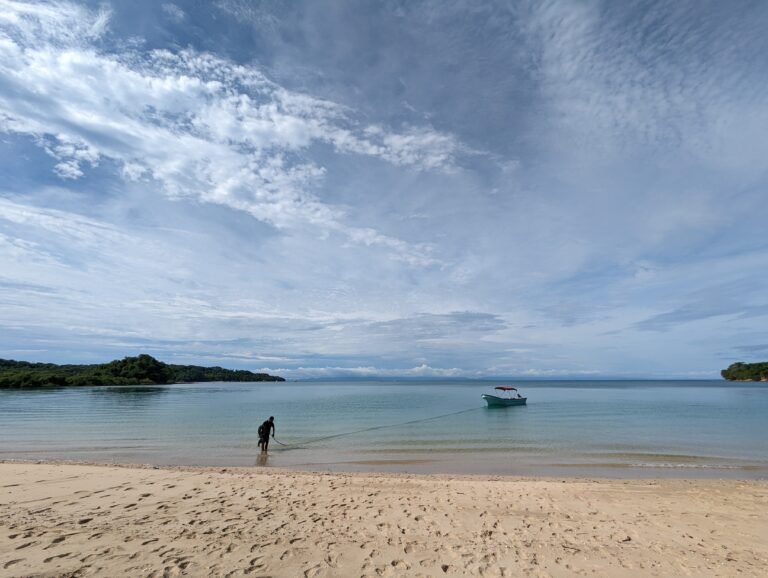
657 465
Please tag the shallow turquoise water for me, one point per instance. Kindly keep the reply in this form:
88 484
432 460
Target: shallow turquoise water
638 428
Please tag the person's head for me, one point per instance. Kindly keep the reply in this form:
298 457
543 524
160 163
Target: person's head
271 418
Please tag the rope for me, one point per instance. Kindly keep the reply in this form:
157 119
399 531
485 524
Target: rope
299 445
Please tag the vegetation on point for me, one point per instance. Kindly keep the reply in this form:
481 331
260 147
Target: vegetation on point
746 372
141 370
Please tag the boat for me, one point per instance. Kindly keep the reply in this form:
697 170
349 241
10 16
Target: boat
503 401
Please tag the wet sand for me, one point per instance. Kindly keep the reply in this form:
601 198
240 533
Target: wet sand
83 520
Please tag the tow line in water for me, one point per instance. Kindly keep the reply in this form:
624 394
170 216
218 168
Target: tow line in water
300 445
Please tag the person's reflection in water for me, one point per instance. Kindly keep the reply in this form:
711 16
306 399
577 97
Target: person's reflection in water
261 459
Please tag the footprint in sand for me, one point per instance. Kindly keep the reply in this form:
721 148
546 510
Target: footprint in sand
254 565
26 545
12 562
55 541
52 558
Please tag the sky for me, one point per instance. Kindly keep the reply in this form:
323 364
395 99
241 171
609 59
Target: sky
331 189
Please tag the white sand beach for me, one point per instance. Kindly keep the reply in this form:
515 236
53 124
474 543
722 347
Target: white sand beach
86 520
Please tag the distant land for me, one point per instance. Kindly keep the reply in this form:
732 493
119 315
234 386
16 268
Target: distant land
746 371
141 370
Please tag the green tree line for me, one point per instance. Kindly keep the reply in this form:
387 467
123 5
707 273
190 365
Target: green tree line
140 370
746 372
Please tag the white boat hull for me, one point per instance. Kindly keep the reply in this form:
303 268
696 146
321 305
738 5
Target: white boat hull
494 401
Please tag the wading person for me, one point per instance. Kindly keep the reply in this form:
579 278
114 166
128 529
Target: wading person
264 430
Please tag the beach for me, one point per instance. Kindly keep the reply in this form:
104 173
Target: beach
59 519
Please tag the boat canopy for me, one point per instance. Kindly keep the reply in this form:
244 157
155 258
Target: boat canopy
506 388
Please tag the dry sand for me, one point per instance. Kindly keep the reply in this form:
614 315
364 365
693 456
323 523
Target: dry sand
75 520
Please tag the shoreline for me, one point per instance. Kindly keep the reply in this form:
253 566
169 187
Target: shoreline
501 465
329 469
65 519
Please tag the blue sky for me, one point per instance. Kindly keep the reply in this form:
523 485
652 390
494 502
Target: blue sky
417 189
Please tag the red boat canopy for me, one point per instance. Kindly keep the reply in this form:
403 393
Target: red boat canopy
506 388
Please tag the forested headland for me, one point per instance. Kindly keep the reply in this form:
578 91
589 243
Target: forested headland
746 372
140 370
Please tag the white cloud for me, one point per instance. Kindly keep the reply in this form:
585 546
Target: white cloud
71 156
367 372
173 11
75 228
424 148
62 23
197 125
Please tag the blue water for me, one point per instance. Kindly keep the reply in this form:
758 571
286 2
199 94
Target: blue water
637 428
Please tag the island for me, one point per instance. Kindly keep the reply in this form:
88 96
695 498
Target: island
746 371
140 370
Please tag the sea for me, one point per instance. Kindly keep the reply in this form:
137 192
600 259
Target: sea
638 429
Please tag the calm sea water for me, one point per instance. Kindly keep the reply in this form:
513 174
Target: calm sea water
616 428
